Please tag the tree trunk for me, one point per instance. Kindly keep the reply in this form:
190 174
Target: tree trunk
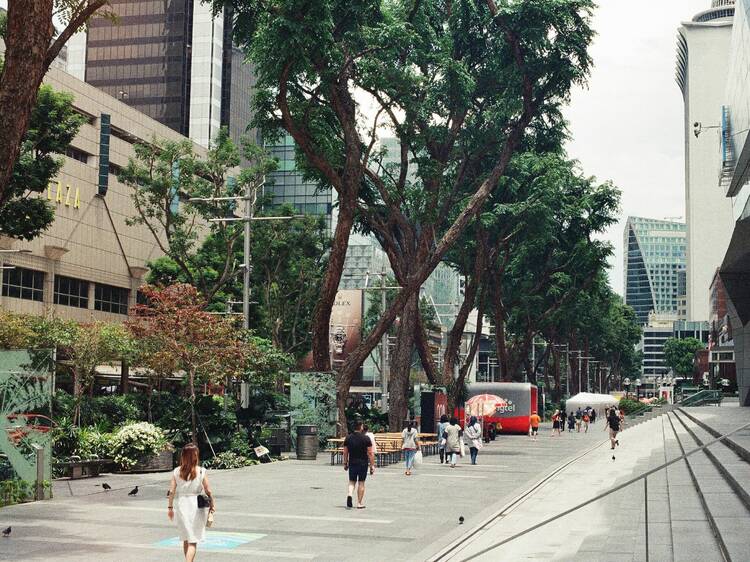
457 387
124 376
421 340
401 365
453 347
321 320
27 39
501 346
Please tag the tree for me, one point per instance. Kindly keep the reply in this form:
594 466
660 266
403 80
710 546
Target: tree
177 334
453 81
679 355
91 345
31 45
165 175
288 259
53 125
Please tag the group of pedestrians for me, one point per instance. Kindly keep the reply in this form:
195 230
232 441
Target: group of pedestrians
360 448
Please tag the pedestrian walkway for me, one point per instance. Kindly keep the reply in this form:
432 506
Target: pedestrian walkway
292 510
696 509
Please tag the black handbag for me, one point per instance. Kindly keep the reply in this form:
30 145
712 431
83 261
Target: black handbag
203 501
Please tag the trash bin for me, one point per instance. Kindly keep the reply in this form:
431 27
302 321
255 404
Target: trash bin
307 442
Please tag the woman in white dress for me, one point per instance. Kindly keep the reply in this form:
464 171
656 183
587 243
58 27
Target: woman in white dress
188 481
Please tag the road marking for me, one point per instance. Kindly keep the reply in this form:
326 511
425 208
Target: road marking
215 541
88 542
270 515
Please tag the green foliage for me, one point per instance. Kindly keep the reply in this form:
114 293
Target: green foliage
288 260
229 459
164 176
629 406
373 418
15 491
136 442
679 355
112 410
24 210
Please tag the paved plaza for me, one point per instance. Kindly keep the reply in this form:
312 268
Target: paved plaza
293 510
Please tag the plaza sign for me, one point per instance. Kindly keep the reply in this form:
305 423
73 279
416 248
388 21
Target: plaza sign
64 196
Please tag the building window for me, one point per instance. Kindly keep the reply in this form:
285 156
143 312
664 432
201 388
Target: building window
76 154
71 292
110 299
21 283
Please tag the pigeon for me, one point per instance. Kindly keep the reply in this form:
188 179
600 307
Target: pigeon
461 520
6 532
106 486
613 457
133 492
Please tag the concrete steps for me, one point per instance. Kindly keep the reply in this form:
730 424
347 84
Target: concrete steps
697 509
726 511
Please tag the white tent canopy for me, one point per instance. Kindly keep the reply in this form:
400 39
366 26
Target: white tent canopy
598 402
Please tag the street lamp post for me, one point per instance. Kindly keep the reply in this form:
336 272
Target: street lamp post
626 384
637 389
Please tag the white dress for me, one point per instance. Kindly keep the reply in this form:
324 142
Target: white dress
191 521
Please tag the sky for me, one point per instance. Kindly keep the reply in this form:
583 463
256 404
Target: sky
627 125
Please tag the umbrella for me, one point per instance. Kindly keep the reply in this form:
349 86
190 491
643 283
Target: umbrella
483 404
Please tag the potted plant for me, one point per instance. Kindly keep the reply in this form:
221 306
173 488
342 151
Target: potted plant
141 447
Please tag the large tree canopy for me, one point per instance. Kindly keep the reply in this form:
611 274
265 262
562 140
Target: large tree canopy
54 124
456 83
31 44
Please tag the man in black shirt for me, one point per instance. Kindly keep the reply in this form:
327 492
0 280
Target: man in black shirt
613 424
357 455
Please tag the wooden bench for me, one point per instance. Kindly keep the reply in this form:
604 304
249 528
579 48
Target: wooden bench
76 468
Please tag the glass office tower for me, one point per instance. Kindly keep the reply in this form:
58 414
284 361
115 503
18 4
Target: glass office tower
287 185
654 257
174 62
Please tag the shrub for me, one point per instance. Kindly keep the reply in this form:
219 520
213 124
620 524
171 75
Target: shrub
111 410
227 460
15 491
92 441
629 406
136 442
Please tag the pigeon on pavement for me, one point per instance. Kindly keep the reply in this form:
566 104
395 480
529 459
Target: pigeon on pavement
461 520
133 492
106 486
6 532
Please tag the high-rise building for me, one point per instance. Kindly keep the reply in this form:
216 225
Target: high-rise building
654 256
735 179
173 61
287 184
702 52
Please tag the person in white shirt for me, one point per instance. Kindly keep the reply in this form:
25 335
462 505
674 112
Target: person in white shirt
473 434
371 435
409 445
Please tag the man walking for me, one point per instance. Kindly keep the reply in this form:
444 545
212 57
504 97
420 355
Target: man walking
357 455
534 421
613 424
579 419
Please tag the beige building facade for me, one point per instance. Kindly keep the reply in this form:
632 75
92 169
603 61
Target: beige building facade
89 264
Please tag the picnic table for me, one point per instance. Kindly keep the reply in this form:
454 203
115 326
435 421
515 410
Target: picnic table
387 445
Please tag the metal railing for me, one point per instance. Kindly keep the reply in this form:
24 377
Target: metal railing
604 494
702 397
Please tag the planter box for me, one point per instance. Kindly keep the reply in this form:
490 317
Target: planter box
158 463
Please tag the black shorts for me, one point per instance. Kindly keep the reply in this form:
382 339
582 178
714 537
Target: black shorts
534 430
357 472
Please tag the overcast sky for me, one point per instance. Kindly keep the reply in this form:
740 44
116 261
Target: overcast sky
628 125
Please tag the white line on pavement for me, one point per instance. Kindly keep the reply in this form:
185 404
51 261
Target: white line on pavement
271 515
129 545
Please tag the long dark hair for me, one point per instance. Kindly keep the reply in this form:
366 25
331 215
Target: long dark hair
189 462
